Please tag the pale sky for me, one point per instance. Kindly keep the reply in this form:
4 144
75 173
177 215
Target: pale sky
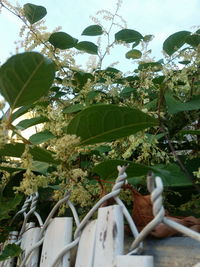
158 17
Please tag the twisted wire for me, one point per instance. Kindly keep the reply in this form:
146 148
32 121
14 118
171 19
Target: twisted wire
113 194
33 204
23 208
155 186
44 227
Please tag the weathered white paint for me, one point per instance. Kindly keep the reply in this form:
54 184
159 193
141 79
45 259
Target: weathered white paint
29 239
134 261
197 265
12 238
58 235
85 253
109 236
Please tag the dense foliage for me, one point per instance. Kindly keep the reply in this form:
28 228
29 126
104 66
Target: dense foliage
85 122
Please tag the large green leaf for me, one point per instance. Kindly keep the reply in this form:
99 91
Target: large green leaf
108 169
34 13
171 174
93 30
175 106
128 36
16 150
62 40
87 47
175 41
24 124
25 78
105 123
41 137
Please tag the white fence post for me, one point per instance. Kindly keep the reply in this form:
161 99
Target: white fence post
58 235
109 236
85 253
29 239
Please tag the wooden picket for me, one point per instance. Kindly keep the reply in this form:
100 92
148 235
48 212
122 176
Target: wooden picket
58 234
109 236
29 239
85 253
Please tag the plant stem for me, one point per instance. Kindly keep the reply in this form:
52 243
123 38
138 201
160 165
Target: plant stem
179 161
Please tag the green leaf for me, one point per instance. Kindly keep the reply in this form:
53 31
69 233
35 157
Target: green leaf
153 66
190 132
21 111
93 30
8 192
105 123
185 62
152 105
17 149
10 169
87 47
39 166
134 54
103 149
81 78
128 36
193 40
92 94
127 91
41 137
158 79
25 78
175 41
8 205
10 251
73 108
148 38
135 43
175 106
34 13
171 175
62 40
108 169
24 124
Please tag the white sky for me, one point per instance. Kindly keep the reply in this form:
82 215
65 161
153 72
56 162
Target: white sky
158 17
